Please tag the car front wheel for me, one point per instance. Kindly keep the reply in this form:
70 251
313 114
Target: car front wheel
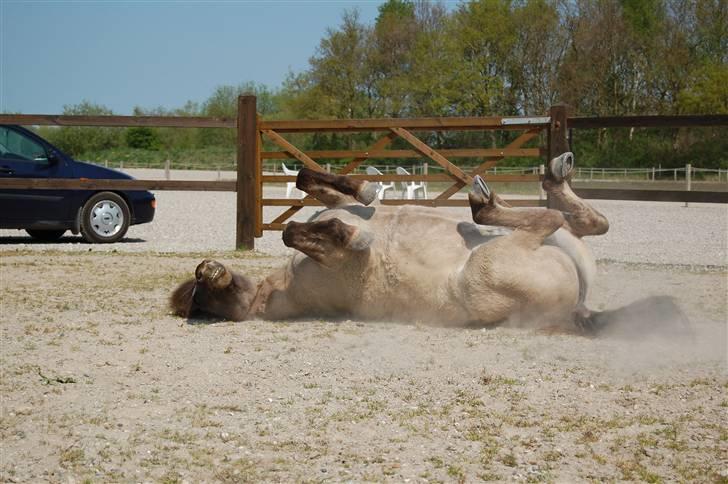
105 218
46 235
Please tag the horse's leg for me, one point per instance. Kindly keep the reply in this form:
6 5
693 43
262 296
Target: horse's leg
516 277
535 223
328 242
581 218
335 190
272 300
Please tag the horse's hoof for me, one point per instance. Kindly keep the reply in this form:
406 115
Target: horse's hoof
368 193
480 187
561 166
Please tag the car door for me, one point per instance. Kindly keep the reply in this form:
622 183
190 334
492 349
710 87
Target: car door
24 156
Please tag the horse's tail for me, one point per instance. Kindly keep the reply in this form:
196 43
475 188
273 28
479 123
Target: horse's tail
652 315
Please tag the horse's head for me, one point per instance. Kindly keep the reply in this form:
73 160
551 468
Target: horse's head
215 291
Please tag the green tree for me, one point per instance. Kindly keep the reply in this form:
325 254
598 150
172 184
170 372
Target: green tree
537 56
174 138
481 58
76 140
223 103
341 80
431 78
391 55
143 138
485 33
707 92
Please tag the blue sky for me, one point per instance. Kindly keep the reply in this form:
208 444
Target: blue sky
126 54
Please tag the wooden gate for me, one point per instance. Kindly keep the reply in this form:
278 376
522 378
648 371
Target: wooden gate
250 160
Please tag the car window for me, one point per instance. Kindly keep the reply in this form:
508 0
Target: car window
17 146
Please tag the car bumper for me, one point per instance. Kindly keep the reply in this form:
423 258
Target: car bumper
143 210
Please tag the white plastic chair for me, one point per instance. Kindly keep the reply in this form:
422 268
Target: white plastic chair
409 189
289 185
382 186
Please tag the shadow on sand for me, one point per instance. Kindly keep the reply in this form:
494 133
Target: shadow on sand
65 240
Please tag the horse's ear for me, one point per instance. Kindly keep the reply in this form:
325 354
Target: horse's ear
181 300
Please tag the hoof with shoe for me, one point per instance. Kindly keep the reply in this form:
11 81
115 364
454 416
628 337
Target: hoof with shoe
480 187
561 166
368 193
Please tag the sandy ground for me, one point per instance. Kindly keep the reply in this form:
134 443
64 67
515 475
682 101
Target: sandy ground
100 383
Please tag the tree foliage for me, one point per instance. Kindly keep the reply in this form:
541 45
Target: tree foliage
490 57
142 138
77 140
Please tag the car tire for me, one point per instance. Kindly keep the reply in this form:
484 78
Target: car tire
46 235
105 218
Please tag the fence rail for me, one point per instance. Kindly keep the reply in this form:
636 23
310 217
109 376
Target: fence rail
581 173
431 124
652 195
409 178
647 121
416 124
111 184
118 121
452 153
249 164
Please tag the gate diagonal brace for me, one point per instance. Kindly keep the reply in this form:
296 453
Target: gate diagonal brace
517 143
452 170
298 154
381 143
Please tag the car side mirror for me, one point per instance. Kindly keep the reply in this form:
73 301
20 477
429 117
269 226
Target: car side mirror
53 157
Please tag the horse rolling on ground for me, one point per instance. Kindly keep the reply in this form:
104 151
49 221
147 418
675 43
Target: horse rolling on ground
527 267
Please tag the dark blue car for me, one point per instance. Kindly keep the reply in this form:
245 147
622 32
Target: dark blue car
100 216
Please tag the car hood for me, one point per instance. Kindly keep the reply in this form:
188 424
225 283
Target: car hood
89 170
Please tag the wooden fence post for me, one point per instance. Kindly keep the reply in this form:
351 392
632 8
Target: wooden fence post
557 139
247 150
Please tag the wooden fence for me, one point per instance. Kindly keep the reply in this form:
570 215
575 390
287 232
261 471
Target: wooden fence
252 131
388 131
